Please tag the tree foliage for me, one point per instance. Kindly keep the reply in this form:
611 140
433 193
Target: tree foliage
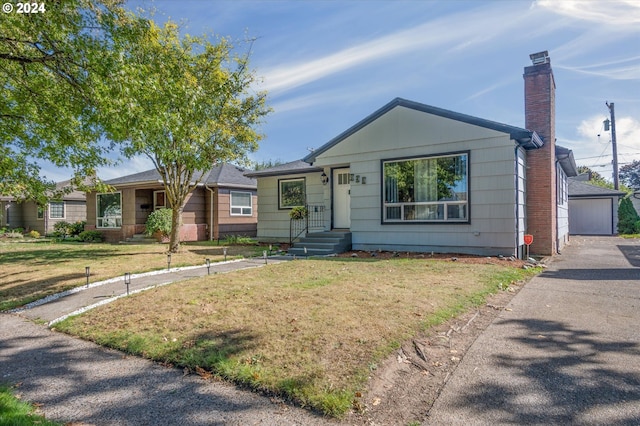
628 219
53 68
187 104
630 174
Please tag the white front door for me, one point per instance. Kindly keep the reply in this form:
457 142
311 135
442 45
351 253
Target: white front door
341 199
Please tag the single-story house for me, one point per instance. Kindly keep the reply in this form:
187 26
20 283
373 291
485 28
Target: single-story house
29 216
222 204
593 210
413 177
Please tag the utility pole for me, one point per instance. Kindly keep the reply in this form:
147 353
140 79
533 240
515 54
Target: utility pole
616 183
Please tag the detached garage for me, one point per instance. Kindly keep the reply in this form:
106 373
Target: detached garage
593 210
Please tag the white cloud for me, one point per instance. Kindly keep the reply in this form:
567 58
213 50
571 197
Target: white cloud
610 12
596 151
434 38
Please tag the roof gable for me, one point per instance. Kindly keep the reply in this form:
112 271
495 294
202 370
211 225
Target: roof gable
525 138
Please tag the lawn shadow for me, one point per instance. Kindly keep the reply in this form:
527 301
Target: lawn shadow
569 371
77 381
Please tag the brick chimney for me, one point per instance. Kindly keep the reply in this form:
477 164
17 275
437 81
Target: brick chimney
540 110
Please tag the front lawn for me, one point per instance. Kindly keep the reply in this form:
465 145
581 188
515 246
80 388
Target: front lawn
308 330
32 270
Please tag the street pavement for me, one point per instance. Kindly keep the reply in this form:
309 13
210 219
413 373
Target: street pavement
565 351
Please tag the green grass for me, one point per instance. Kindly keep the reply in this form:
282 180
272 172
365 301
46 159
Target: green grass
15 412
307 330
32 270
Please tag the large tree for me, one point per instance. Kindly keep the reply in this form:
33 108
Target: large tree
186 104
630 174
53 67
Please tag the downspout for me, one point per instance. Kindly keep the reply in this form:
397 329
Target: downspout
210 213
517 246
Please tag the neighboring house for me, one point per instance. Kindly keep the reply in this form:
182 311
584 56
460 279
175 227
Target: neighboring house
593 210
412 177
222 204
31 217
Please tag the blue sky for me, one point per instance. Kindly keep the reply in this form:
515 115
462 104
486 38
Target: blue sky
328 64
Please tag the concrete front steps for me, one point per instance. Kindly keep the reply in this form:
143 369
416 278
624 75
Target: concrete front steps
322 244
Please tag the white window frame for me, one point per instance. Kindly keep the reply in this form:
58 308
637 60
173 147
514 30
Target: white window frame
240 210
114 222
64 210
440 208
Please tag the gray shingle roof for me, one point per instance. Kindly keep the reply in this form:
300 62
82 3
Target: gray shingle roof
525 138
221 175
578 188
294 167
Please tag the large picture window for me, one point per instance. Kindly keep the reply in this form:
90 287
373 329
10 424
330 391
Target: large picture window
427 189
241 204
56 210
109 210
291 193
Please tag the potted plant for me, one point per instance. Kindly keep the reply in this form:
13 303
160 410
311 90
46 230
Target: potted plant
299 212
159 225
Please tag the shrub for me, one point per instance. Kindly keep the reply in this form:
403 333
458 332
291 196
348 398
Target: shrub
628 219
34 234
77 228
65 229
61 229
14 234
90 237
159 222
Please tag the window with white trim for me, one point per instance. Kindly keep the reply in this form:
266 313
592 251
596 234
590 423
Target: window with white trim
241 203
426 189
56 210
109 210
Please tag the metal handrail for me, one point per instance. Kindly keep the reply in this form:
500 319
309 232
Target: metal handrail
313 219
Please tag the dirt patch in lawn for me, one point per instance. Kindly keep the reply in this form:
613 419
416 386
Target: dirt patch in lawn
404 387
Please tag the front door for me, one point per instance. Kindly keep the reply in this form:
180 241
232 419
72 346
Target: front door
341 199
159 200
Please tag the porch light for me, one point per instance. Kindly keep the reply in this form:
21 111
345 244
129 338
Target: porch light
168 261
87 273
324 178
208 261
127 280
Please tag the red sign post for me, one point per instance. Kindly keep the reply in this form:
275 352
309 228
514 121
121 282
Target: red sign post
528 239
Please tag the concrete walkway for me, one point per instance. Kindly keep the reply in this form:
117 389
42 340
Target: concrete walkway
80 299
567 352
76 381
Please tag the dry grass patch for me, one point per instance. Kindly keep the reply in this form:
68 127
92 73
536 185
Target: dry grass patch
308 330
32 270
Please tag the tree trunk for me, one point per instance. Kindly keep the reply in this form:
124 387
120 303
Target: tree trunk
176 223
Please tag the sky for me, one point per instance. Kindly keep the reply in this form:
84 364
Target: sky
328 64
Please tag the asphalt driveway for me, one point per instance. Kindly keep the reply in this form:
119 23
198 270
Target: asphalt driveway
567 350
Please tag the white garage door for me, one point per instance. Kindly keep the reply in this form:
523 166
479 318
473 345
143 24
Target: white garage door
590 217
